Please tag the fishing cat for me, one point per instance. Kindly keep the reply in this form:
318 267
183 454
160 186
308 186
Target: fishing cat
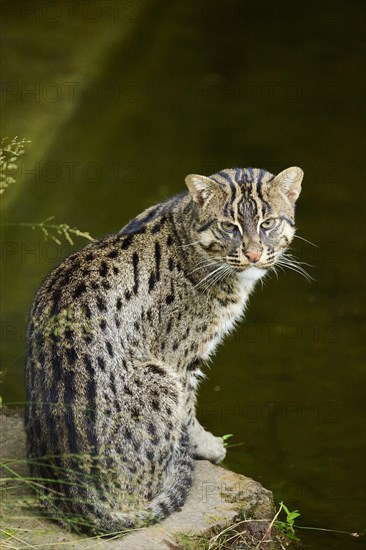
116 338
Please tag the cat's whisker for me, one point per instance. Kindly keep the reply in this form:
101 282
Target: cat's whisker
262 281
203 260
291 257
289 260
275 271
208 276
225 274
221 275
189 244
204 265
212 280
293 262
214 258
292 268
225 270
201 267
208 285
207 262
281 268
297 262
296 268
306 240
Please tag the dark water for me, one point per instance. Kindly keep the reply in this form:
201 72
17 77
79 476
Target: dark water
121 101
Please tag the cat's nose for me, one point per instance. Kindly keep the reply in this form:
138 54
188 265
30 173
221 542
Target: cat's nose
253 253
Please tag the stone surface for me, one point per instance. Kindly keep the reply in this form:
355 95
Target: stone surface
216 498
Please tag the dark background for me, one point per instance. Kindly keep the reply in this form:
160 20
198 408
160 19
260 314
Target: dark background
120 101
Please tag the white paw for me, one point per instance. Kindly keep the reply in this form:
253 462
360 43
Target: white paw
218 451
209 448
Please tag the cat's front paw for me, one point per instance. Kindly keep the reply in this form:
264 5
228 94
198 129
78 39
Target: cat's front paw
209 448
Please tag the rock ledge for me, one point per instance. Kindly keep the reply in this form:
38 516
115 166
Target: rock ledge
218 499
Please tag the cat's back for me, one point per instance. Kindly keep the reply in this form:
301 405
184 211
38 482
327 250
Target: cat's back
107 297
114 265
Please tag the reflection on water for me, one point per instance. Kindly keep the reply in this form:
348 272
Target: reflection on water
170 88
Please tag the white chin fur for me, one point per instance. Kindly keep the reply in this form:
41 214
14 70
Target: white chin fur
253 274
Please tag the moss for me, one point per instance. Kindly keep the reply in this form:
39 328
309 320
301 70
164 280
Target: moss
242 533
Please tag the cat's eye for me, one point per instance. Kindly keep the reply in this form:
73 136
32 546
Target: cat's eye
228 227
269 223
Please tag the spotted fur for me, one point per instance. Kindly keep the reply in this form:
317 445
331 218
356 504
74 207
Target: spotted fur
118 333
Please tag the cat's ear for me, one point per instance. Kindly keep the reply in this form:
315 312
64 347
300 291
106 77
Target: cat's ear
200 187
289 181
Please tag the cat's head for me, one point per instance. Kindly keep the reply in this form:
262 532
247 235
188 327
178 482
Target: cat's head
245 216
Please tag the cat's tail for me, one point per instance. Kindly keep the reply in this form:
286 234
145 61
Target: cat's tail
94 516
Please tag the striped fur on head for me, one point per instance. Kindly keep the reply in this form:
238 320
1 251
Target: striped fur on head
245 215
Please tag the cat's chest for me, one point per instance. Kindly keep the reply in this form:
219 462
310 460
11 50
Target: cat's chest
227 315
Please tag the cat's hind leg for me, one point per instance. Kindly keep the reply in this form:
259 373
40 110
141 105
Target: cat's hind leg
151 439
